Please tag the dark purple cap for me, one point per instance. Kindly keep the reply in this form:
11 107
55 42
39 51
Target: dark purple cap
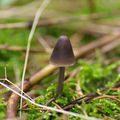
62 54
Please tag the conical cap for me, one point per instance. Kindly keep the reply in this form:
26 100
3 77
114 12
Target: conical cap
62 54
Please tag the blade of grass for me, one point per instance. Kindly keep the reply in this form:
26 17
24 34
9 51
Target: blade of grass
35 22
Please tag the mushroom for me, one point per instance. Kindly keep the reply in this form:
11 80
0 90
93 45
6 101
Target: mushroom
62 56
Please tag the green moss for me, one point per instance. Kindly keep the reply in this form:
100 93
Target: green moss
93 76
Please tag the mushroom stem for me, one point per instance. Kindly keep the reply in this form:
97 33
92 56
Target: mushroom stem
60 81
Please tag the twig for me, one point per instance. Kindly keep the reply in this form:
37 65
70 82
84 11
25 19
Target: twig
72 74
48 102
15 98
88 97
107 96
110 46
18 49
57 105
78 88
115 89
43 23
101 29
97 44
106 48
91 27
84 112
44 44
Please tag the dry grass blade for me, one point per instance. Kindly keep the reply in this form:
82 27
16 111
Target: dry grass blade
35 22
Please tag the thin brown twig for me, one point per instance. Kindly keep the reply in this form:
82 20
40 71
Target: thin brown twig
57 105
87 49
101 29
106 48
42 23
72 74
48 102
78 89
87 98
63 20
107 96
18 49
44 44
115 89
84 112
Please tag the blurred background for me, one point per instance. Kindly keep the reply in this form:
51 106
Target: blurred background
82 20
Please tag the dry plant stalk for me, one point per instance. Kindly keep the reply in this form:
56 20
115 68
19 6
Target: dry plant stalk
101 29
107 96
92 96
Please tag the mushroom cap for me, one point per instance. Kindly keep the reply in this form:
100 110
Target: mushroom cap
62 54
